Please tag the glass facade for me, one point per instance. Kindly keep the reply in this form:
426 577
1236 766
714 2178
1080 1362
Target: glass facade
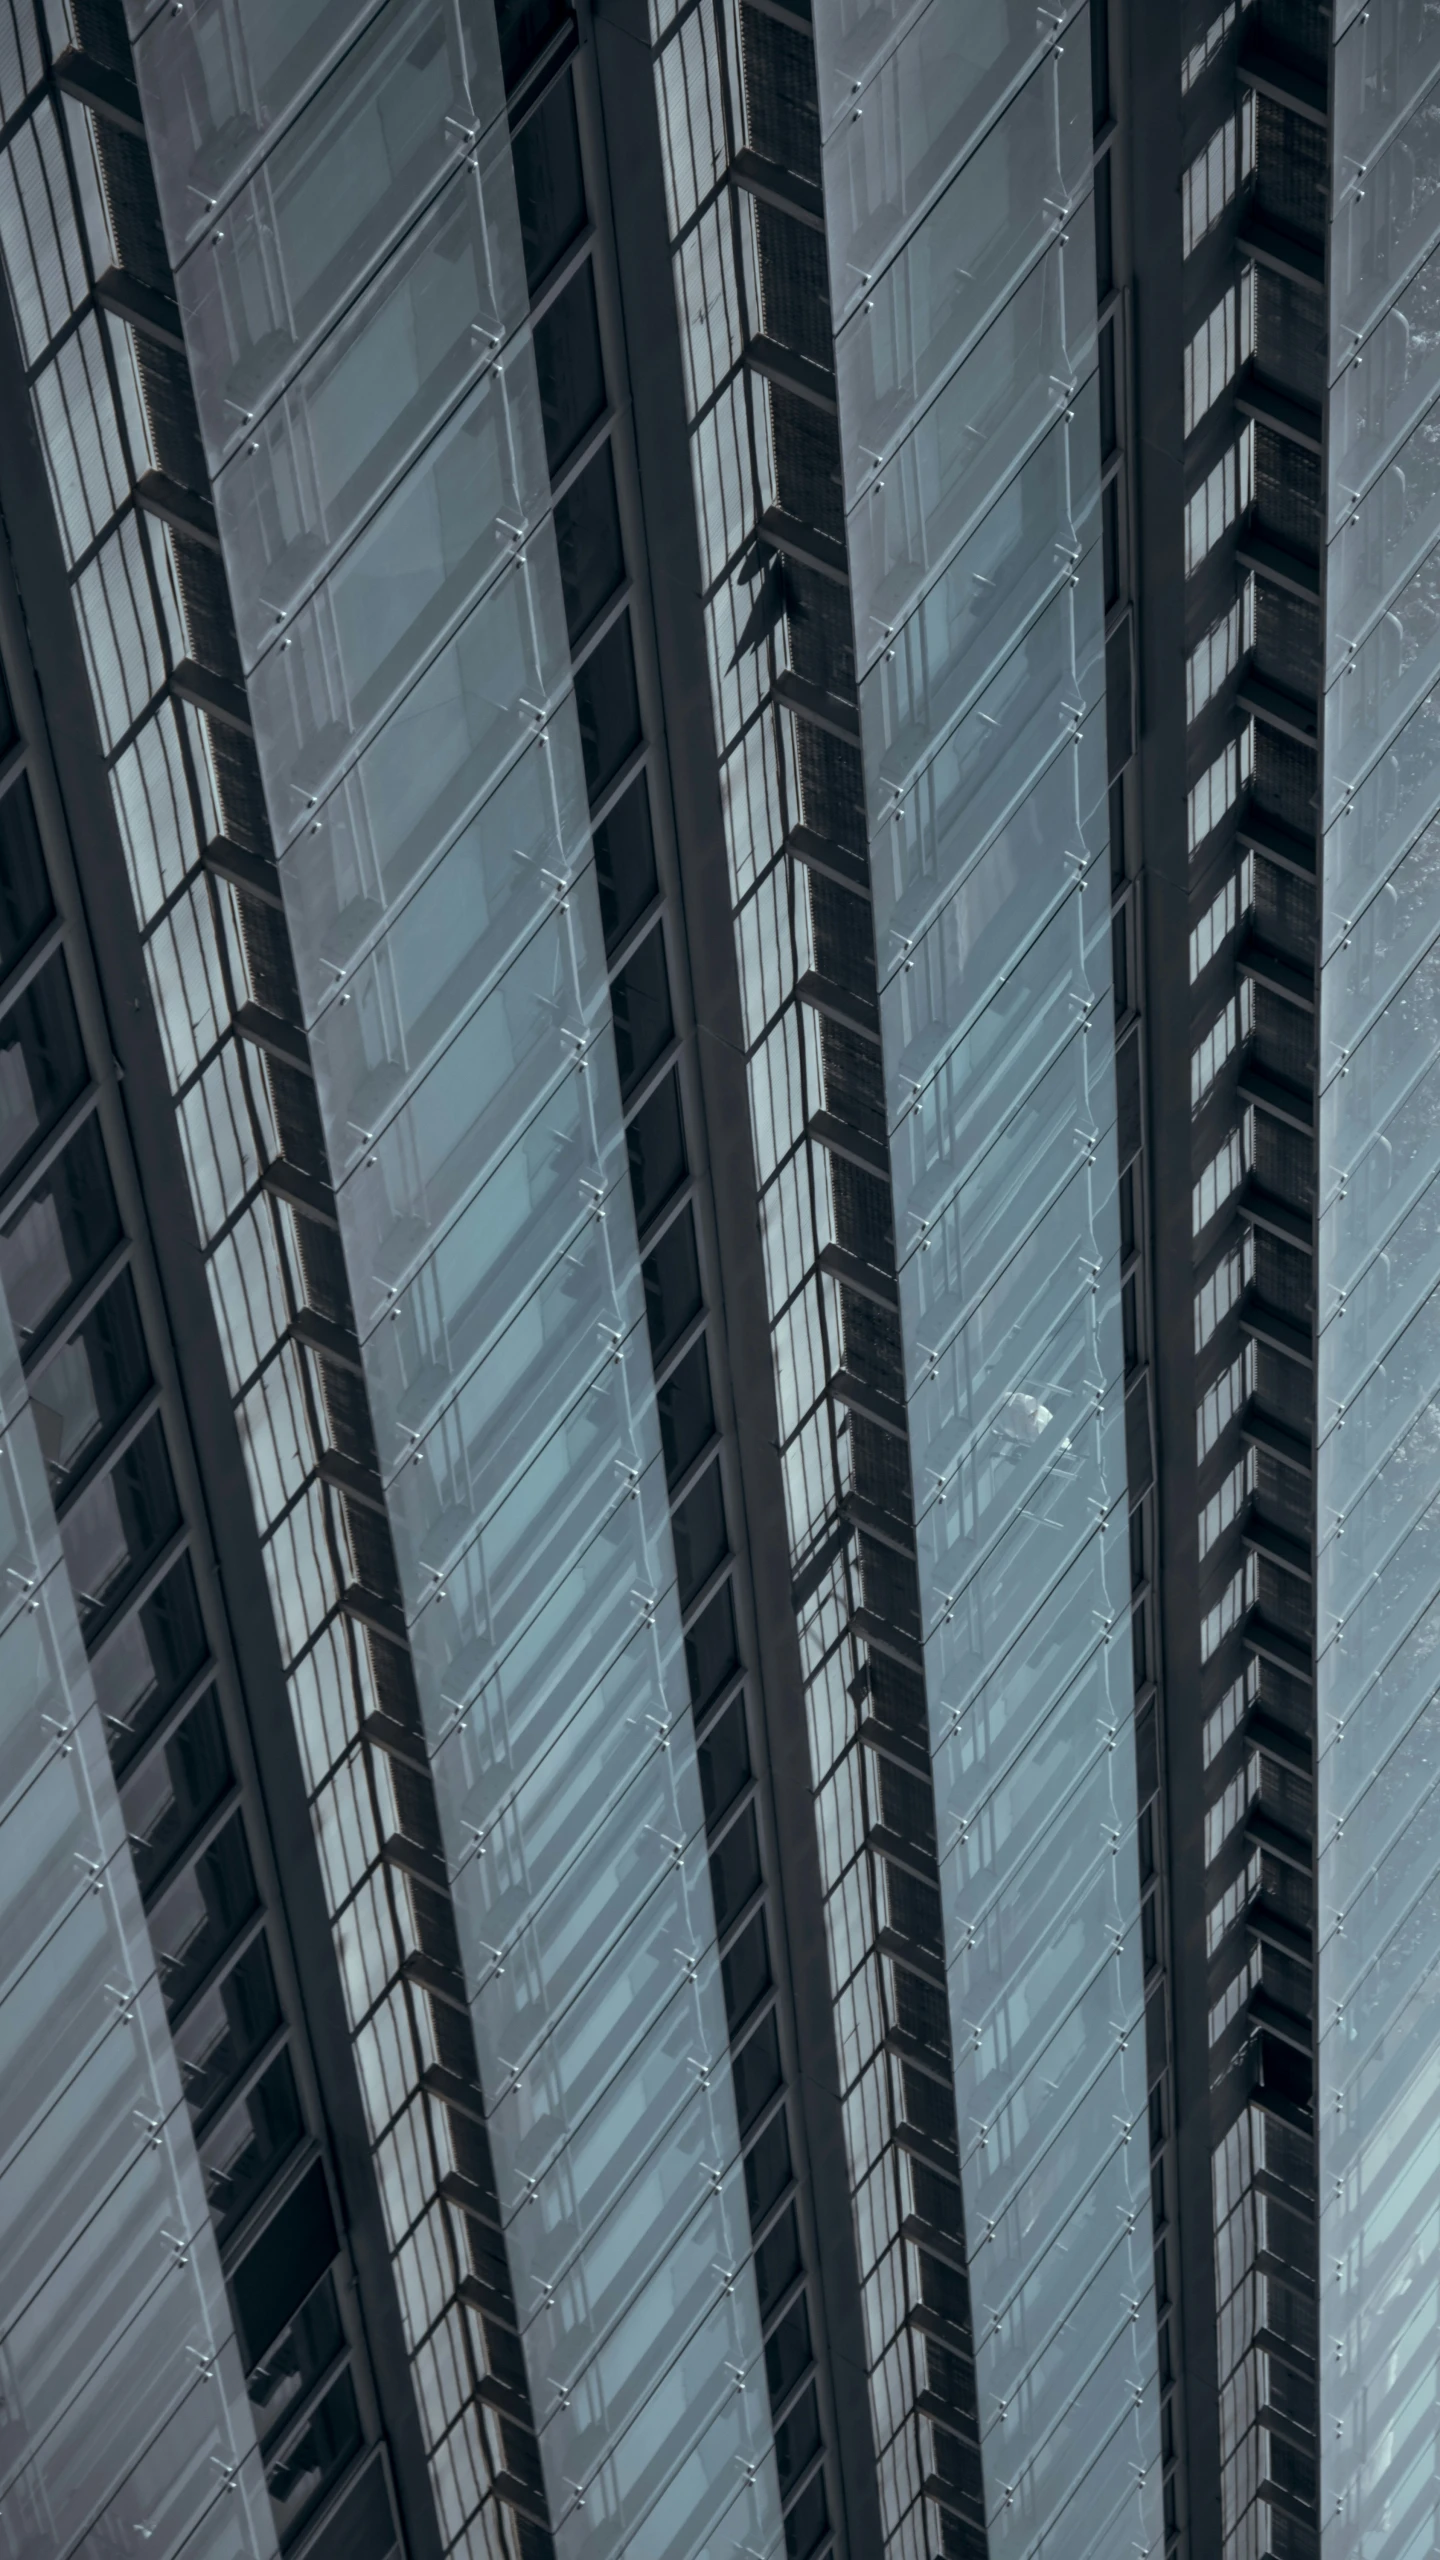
1376 1470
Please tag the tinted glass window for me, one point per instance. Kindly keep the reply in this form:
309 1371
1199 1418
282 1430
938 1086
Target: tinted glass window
147 1661
173 1790
756 2069
671 1275
298 2358
194 1921
735 1869
119 1523
42 1064
711 1649
248 2140
640 1003
701 1542
570 366
655 1142
61 1232
526 27
90 1382
767 2169
625 871
25 902
609 706
327 2444
777 2260
687 1411
587 529
745 1972
226 2029
549 182
724 1758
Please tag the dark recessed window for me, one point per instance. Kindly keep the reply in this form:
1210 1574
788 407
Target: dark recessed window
625 873
712 1652
146 1662
687 1412
609 706
226 2028
788 2351
777 2260
570 366
724 1758
328 2443
701 1542
25 901
655 1141
768 2173
525 28
118 1525
640 1003
745 1973
808 2521
173 1790
671 1273
194 1921
61 1232
756 2071
90 1382
299 2355
587 530
549 182
42 1062
248 2140
735 1869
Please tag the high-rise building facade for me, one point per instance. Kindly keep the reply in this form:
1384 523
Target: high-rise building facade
717 1819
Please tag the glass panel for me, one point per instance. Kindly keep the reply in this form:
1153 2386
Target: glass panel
569 366
1384 681
549 182
647 2230
298 2358
419 783
174 1789
240 2152
42 1062
931 98
1381 64
463 928
1010 198
1382 540
401 587
1376 401
1379 947
539 1204
516 1048
1023 374
625 871
738 2434
1380 228
226 2028
89 1383
587 535
37 1685
334 193
1396 800
25 900
328 2441
372 393
119 1523
194 1921
61 1233
146 1662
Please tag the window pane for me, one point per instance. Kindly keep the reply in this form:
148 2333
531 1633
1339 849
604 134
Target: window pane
147 1661
735 1870
687 1411
777 2260
625 871
656 1144
671 1274
242 2149
201 1912
90 1382
587 529
298 2358
25 900
767 2175
711 1649
640 1002
173 1790
757 2072
332 2438
42 1064
745 1972
526 27
119 1523
724 1758
609 706
701 1541
60 1234
225 2029
570 366
787 2351
549 182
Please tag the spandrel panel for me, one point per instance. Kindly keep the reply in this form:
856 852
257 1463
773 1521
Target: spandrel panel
588 1761
1378 948
498 1578
543 1362
539 1025
977 1222
620 1573
926 106
1376 402
1382 540
1021 376
531 1213
682 2411
439 957
928 850
219 79
655 2253
372 394
400 590
334 195
645 2075
584 2213
1023 551
1010 198
425 777
1381 229
595 1911
1035 731
1387 678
